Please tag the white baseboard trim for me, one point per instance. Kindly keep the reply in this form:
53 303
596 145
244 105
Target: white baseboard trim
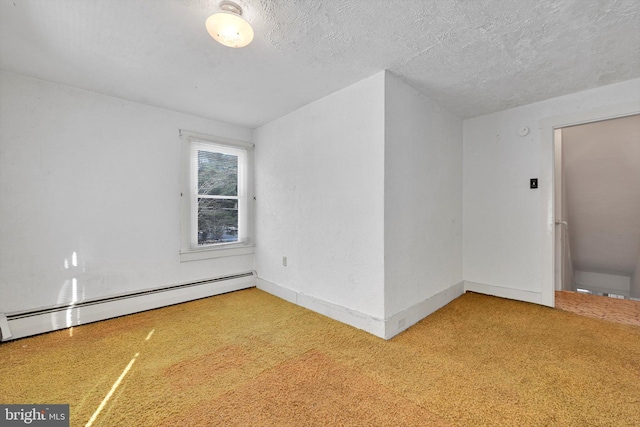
354 318
5 331
412 315
279 291
357 319
383 328
25 324
499 291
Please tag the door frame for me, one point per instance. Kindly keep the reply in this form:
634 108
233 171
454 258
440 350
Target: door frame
559 196
547 183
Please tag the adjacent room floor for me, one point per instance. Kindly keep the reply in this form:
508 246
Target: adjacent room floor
599 307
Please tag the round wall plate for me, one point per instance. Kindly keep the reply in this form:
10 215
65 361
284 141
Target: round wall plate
523 131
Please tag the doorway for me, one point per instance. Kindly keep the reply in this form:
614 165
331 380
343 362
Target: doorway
597 209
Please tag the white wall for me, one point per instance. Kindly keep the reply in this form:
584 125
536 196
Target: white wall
319 189
362 192
95 175
423 197
599 282
508 228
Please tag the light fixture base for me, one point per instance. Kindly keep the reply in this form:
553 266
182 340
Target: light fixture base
229 6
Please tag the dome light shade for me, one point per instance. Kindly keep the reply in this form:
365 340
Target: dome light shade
228 27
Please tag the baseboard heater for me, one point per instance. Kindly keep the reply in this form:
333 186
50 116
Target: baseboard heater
32 322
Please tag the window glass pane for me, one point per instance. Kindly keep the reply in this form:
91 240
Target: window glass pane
217 174
217 221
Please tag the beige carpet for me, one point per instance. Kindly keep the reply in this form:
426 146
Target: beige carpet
248 358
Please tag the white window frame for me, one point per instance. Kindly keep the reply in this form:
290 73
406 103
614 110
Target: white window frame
190 250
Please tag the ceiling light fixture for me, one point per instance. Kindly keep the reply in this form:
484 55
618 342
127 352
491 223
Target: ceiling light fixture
228 27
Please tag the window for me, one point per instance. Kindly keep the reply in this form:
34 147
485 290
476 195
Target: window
216 200
216 175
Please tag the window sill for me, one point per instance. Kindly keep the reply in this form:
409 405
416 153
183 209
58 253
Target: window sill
218 252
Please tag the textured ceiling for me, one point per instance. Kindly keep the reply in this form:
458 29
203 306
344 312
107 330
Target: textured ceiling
602 167
472 56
